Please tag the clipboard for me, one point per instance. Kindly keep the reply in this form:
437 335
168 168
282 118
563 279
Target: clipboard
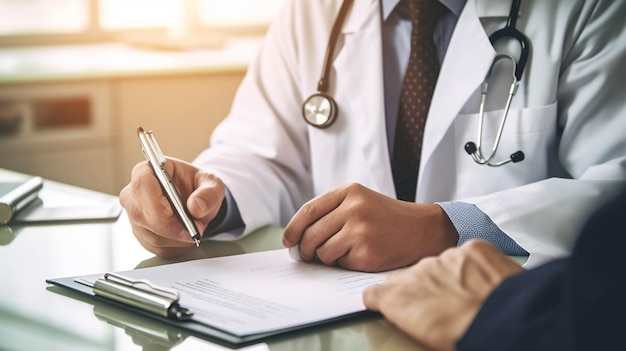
201 330
150 334
162 304
207 332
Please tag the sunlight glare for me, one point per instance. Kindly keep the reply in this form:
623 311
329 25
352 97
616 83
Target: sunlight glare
118 14
237 12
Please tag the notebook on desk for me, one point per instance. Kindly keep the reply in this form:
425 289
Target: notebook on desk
237 299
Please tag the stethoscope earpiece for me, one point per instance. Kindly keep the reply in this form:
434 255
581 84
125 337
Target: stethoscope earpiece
470 147
518 156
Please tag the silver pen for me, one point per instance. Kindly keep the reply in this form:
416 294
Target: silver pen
155 157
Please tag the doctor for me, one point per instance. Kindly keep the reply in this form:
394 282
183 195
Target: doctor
333 187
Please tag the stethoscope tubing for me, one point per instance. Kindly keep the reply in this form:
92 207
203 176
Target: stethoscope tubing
320 109
322 85
509 31
478 155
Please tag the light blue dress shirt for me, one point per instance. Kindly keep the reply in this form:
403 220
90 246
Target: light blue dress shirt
469 220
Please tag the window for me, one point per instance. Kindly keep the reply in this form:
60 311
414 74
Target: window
53 21
229 12
43 16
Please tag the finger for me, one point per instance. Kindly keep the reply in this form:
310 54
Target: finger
131 194
142 192
314 237
333 249
162 220
193 185
294 252
490 259
371 297
308 214
476 266
162 230
318 235
149 210
159 245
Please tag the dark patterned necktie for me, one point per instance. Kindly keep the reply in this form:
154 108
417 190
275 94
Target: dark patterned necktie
417 90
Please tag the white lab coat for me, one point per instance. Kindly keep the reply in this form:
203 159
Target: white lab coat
569 118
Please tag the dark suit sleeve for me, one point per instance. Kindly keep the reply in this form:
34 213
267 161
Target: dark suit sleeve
575 303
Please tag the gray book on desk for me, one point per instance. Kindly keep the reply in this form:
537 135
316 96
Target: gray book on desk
21 203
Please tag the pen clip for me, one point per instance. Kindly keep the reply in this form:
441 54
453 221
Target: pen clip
141 294
150 147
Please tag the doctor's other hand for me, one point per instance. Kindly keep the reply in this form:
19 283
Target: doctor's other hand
435 300
359 229
153 221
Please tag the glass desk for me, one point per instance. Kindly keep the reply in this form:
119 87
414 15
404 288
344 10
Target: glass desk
35 316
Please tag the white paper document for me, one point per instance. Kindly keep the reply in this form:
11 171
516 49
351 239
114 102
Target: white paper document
260 292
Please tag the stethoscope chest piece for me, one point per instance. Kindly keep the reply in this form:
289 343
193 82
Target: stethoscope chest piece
319 110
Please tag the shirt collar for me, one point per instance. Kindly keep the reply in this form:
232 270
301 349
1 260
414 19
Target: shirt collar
456 6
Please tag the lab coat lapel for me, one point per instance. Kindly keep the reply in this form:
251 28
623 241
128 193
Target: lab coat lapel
464 67
359 64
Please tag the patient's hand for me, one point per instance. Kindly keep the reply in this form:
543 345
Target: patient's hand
435 300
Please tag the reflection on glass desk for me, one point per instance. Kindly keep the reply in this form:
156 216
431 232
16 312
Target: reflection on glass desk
34 316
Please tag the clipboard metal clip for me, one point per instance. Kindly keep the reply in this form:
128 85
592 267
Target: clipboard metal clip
141 294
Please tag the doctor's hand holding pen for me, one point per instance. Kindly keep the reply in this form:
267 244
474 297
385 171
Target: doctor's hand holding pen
154 221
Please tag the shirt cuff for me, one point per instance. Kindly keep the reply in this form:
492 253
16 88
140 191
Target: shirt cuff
472 223
228 219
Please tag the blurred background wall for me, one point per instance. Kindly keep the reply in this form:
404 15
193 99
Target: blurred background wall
77 77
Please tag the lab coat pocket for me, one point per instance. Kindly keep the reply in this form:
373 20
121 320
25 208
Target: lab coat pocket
532 131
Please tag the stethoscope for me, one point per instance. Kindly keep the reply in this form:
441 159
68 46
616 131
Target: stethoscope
320 109
518 69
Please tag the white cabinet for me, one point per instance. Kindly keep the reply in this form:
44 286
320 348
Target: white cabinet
61 131
84 132
71 113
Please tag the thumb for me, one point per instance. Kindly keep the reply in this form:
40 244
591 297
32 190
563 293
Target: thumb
371 297
206 199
